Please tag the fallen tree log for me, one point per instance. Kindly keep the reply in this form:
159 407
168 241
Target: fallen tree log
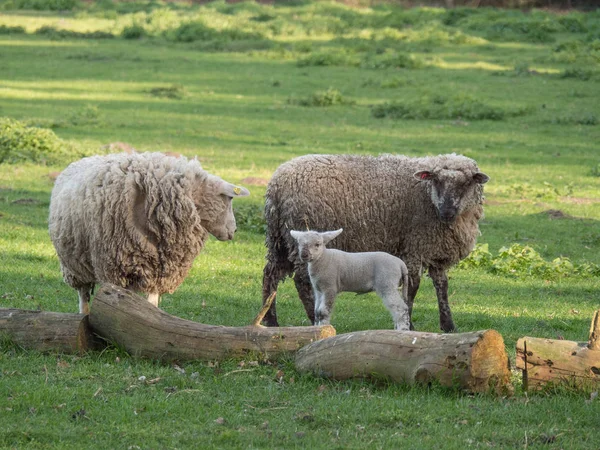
128 320
48 331
545 361
475 362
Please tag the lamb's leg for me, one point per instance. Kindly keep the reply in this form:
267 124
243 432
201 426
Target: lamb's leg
154 298
440 282
323 306
305 291
395 305
85 294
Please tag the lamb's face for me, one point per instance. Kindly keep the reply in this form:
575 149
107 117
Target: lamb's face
452 191
311 244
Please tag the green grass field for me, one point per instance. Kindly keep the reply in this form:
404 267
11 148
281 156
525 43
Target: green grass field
245 87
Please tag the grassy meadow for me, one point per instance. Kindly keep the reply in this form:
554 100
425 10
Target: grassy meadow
244 87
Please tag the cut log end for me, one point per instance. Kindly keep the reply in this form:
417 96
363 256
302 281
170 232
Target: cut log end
489 362
48 331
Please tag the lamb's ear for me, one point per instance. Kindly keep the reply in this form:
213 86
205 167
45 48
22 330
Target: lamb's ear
231 190
481 178
423 175
330 235
295 234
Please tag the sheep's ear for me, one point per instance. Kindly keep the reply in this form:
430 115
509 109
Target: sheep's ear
422 175
295 234
231 190
481 178
330 235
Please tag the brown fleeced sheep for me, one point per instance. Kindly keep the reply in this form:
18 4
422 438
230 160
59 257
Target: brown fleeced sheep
136 220
422 210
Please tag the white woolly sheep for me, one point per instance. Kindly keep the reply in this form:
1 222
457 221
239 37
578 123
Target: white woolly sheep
422 210
333 271
136 220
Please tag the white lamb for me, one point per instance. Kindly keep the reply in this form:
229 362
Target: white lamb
333 271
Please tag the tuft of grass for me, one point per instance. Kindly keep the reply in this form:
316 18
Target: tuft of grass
40 5
7 29
57 34
175 91
576 119
330 97
442 107
329 58
392 60
578 73
133 31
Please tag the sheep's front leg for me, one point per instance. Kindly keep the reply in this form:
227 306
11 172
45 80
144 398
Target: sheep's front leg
154 298
323 306
440 281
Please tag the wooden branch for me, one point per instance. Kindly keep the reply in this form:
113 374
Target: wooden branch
545 361
594 340
475 362
143 330
261 314
48 331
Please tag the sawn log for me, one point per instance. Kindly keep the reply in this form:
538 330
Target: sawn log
545 361
128 320
474 362
48 331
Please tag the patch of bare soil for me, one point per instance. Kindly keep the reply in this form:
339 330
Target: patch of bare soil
255 181
25 201
556 214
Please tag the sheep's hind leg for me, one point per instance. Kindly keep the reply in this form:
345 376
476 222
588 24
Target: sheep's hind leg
414 280
85 295
440 281
154 298
273 273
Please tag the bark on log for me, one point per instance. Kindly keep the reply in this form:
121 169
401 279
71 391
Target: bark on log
128 320
475 362
48 331
545 361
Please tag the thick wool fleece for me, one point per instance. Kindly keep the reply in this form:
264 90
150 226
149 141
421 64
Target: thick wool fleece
130 220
